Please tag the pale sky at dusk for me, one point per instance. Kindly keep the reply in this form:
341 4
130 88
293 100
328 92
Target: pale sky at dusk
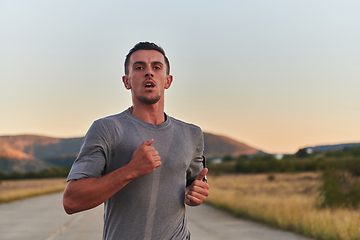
276 75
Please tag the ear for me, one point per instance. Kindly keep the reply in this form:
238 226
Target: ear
126 82
169 79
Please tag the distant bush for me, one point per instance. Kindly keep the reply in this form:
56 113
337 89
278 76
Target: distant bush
339 189
353 166
271 177
228 158
354 151
302 153
271 165
220 168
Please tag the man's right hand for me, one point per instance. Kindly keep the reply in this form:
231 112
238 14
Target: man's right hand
145 159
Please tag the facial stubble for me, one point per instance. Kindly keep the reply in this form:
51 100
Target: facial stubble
149 100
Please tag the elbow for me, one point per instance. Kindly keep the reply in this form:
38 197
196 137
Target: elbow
68 207
70 204
69 211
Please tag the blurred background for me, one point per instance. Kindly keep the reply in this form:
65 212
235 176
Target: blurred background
276 75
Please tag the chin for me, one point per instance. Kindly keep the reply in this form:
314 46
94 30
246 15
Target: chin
149 100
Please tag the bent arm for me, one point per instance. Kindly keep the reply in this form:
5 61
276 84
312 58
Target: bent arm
88 193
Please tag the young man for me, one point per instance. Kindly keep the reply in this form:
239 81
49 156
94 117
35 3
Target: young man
143 164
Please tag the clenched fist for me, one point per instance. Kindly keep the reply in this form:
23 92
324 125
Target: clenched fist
198 191
145 159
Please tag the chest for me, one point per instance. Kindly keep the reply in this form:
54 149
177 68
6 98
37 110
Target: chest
176 148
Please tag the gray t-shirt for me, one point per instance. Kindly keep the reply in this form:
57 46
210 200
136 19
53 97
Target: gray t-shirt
152 206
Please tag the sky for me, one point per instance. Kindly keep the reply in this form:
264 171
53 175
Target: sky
276 75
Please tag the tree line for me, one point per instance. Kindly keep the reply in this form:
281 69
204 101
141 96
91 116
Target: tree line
54 172
347 159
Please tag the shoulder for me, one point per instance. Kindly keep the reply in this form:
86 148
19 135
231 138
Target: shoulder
111 119
180 122
110 125
194 129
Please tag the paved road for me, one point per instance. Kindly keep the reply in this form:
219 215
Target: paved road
43 218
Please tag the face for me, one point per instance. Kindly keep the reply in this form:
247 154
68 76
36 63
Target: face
147 78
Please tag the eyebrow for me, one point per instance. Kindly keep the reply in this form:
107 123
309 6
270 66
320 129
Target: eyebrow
155 63
143 63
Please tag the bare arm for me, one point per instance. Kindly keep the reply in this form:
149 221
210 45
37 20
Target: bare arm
88 193
198 191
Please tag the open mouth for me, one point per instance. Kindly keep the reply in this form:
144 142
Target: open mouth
149 85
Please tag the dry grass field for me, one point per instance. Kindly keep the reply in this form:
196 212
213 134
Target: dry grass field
286 201
11 190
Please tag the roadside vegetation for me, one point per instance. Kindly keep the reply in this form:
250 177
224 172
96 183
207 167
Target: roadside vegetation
345 160
315 195
54 172
20 185
11 190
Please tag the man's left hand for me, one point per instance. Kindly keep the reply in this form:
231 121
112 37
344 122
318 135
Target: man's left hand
198 191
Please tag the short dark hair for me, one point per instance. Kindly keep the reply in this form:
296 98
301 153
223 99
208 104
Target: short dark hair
145 46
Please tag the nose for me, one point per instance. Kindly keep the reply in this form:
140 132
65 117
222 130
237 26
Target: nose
149 72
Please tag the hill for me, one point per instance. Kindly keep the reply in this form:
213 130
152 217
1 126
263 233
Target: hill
219 146
29 153
8 165
32 152
328 148
38 147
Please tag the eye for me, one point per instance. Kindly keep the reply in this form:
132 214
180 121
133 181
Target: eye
157 67
139 68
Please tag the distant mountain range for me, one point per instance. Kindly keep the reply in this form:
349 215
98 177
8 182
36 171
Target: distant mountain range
25 153
327 148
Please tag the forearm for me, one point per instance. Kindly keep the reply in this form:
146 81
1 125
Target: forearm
88 193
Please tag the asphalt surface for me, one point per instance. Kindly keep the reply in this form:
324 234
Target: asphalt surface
43 218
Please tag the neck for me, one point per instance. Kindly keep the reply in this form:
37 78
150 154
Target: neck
151 113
